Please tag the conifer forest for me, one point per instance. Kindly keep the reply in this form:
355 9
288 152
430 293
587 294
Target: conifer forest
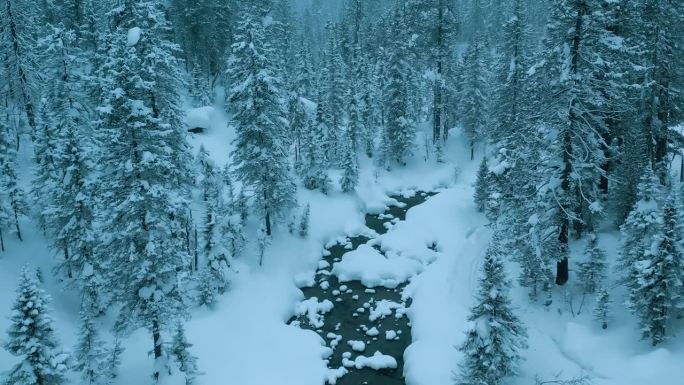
341 192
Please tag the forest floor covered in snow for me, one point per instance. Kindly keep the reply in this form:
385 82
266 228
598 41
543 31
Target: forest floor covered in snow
246 340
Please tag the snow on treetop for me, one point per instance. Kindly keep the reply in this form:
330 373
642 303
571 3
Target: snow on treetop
133 36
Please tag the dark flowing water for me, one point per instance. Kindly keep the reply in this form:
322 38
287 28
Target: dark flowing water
349 319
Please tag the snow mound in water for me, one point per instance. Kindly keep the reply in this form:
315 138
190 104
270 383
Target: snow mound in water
377 361
314 310
369 266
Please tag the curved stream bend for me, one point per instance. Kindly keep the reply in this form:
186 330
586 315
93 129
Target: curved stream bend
359 321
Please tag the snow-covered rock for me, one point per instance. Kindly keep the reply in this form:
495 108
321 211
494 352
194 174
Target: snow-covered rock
377 361
133 36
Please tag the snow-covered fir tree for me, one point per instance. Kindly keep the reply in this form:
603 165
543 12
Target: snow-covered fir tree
641 227
656 295
314 162
474 93
113 360
333 90
90 353
32 338
602 307
260 158
13 205
496 336
65 190
19 24
180 349
215 241
304 221
398 134
482 186
350 164
145 177
592 271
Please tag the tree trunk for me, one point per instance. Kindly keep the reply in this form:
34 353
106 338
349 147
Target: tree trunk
16 223
66 258
196 254
562 271
156 337
564 225
21 73
2 241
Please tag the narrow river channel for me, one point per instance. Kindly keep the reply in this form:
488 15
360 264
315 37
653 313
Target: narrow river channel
367 328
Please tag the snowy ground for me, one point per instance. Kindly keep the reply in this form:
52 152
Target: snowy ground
245 339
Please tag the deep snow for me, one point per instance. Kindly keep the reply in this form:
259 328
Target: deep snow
245 339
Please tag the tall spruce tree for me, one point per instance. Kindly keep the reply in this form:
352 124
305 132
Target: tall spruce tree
656 30
656 294
399 132
641 227
19 26
32 338
475 93
90 352
13 204
260 159
496 336
576 98
145 177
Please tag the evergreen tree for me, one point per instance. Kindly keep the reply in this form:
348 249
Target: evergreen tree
640 229
260 157
145 176
90 352
66 191
656 31
656 294
32 338
496 335
19 26
215 239
350 165
592 272
206 287
314 159
303 81
398 135
114 360
482 186
602 309
304 222
474 93
180 348
12 200
576 97
334 90
435 25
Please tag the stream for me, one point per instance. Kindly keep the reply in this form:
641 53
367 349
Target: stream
358 321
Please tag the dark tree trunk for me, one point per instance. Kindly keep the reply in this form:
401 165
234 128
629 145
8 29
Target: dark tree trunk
156 337
2 242
21 73
565 209
66 258
562 271
16 223
196 253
